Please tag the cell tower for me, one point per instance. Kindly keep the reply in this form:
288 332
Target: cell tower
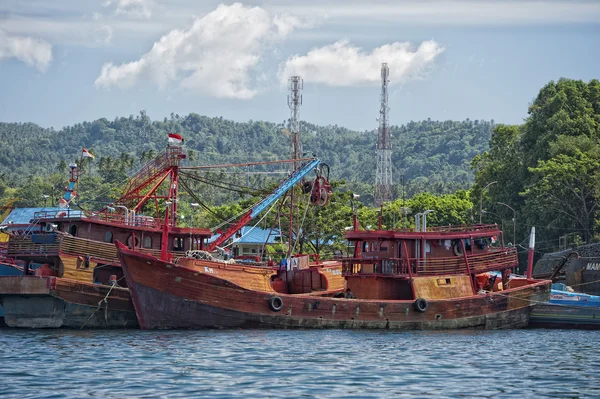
296 84
383 175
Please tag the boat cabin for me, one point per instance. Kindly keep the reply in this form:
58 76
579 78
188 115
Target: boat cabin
440 263
80 246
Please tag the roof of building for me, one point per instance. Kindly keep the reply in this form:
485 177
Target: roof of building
254 235
25 215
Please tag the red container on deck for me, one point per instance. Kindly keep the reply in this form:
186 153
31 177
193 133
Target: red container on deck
44 271
279 285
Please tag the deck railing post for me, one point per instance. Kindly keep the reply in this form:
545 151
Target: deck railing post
471 277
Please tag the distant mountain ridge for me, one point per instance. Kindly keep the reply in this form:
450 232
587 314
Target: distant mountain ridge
434 155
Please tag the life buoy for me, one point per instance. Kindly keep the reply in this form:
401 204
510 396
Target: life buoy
421 305
131 241
457 248
275 303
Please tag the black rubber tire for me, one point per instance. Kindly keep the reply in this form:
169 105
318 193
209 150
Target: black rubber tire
275 303
421 305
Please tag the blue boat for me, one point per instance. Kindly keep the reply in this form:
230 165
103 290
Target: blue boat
567 309
7 269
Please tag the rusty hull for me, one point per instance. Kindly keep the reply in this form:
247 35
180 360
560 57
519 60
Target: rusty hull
51 302
169 296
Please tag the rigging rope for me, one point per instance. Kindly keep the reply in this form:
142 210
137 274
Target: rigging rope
251 228
303 218
243 190
233 165
195 197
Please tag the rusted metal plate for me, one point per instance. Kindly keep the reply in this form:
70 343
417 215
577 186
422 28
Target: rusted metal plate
31 285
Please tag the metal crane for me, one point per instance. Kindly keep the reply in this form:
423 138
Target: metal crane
319 195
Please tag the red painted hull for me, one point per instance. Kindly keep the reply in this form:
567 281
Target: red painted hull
169 296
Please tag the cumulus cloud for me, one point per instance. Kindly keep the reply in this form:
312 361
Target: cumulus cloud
342 64
132 8
34 52
215 56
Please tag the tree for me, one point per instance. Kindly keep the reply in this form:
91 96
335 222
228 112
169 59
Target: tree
566 190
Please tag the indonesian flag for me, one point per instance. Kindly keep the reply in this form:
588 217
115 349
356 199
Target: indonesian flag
86 154
175 138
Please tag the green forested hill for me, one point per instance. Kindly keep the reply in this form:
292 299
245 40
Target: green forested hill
431 155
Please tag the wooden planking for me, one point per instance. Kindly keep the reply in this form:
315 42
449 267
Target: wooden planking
22 245
95 249
71 271
218 303
438 288
253 278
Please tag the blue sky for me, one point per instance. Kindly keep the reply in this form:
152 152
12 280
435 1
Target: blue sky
64 62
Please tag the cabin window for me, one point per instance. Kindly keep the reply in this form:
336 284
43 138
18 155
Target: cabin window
177 244
108 236
253 250
73 230
147 242
383 246
374 246
365 247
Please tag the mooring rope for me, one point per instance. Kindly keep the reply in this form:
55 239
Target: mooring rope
100 304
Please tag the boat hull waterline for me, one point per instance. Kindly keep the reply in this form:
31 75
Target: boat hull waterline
50 302
167 296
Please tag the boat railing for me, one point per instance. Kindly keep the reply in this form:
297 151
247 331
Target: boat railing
392 266
463 228
496 259
136 221
58 213
75 246
117 218
170 157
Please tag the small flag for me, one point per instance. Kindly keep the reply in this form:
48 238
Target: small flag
175 138
86 154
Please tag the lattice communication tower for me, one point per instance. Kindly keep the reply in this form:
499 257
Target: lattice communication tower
296 84
383 175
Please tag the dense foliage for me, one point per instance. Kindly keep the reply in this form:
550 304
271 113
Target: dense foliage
432 156
548 169
543 173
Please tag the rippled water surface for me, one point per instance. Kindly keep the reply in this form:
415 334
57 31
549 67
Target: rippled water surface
320 364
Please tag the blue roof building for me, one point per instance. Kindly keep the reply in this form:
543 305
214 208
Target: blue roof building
250 241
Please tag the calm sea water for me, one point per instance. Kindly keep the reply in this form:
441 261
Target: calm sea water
308 364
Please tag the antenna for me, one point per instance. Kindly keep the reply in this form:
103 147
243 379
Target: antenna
383 174
296 84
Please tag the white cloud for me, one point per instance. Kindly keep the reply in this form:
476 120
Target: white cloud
34 52
447 12
132 8
342 64
215 56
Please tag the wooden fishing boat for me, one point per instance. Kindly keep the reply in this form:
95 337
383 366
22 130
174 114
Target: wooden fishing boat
429 279
80 282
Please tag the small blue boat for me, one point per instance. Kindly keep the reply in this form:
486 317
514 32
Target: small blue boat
7 269
567 309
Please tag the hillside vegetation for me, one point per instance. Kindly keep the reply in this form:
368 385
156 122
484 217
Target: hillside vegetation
433 156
